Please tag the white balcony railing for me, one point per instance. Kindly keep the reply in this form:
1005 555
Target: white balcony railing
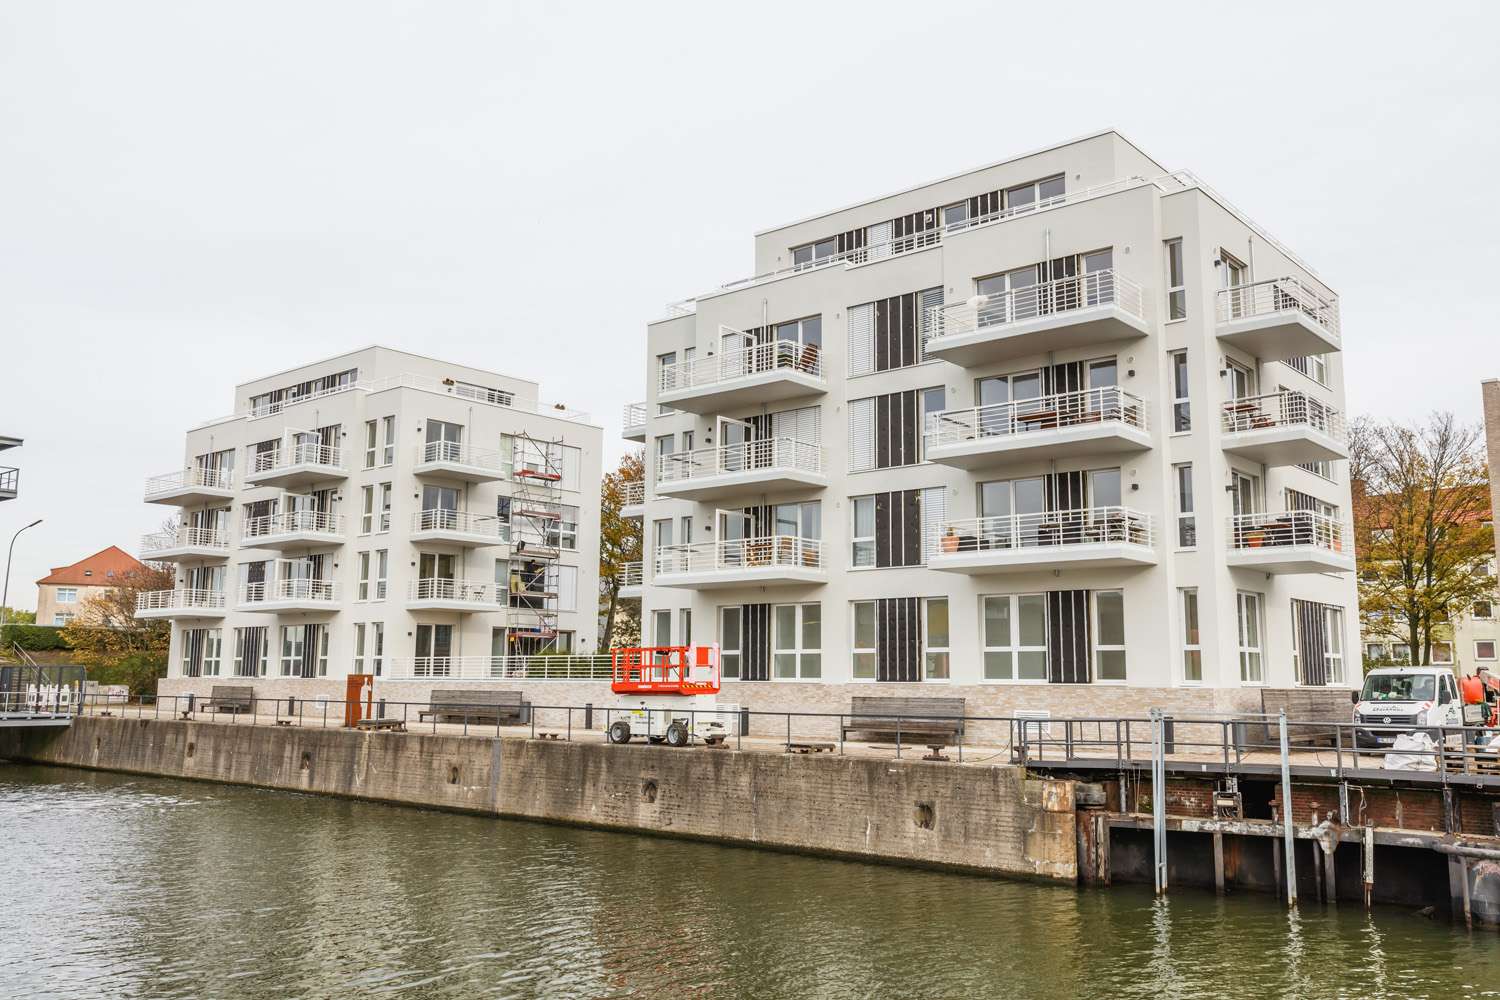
634 494
536 668
184 479
1276 295
742 362
1086 526
770 551
1283 409
634 415
290 522
459 454
631 574
183 538
435 589
323 455
186 600
1105 405
1033 301
1292 527
459 522
10 479
302 590
769 455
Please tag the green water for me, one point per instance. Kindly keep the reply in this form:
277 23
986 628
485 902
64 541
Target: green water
116 886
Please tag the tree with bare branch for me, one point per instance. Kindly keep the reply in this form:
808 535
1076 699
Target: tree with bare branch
116 646
1421 524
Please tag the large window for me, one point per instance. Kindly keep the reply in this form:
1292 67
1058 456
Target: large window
385 506
1182 419
371 429
377 647
935 639
663 362
1192 644
1176 282
797 641
892 333
1187 524
367 517
730 643
389 455
864 654
864 531
812 253
67 595
1015 638
360 650
1249 606
1109 635
382 564
1333 644
1029 196
363 592
661 632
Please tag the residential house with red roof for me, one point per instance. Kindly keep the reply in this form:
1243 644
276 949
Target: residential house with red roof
61 592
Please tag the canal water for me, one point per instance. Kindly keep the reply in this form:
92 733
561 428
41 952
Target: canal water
117 886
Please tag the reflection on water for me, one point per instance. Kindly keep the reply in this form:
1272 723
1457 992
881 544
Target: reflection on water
128 887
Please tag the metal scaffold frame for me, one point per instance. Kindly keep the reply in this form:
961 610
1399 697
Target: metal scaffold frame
536 515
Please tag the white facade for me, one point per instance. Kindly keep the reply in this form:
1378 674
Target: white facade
937 445
379 513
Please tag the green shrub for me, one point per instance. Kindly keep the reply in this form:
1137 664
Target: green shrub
35 637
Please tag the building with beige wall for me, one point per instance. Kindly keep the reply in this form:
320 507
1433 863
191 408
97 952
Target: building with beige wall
1063 433
61 592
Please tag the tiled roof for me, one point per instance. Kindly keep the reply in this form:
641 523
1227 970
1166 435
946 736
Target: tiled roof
95 570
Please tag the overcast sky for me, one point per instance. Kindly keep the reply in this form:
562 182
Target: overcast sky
522 186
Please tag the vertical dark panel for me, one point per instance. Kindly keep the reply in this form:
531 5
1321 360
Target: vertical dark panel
755 642
1311 642
909 419
882 529
911 528
1068 637
898 639
1066 377
1064 491
882 334
908 329
883 432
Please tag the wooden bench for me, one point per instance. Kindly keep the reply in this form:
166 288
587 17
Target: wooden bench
231 698
475 707
878 717
1305 704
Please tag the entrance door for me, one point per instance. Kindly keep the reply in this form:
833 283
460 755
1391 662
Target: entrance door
735 444
434 649
439 507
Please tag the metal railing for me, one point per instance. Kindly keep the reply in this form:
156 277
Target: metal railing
634 494
742 362
1060 295
298 589
186 599
1274 295
322 455
10 479
1084 526
183 538
633 415
440 589
768 551
1291 527
1282 409
1105 405
461 454
632 574
290 522
459 521
545 667
768 455
173 482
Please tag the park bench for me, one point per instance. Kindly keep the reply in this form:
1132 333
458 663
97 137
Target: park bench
1326 705
475 707
921 719
231 698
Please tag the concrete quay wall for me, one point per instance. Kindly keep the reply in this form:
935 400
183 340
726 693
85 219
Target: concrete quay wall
988 819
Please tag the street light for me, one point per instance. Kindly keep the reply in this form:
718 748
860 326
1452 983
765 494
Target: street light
5 593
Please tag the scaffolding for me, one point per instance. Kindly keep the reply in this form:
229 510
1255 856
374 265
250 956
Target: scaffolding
536 527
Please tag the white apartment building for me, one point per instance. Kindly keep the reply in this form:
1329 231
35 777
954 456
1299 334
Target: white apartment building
378 513
1063 434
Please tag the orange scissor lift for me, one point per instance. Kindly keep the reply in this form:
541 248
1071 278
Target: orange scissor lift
668 694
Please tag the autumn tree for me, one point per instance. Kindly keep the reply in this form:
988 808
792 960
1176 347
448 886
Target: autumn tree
1422 537
619 545
116 646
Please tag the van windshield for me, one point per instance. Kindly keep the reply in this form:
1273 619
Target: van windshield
1399 687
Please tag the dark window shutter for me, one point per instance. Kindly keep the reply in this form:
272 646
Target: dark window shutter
1068 637
755 642
898 639
1310 642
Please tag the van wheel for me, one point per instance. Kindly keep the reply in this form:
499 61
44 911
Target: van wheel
618 732
677 735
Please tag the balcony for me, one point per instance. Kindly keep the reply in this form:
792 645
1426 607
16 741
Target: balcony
190 487
1284 428
763 561
293 527
549 667
631 580
744 376
1089 538
185 543
1104 421
1052 316
10 482
633 503
458 527
290 595
1297 541
451 595
460 461
768 466
296 467
1278 319
179 604
633 420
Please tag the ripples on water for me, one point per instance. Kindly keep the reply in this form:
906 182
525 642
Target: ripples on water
131 887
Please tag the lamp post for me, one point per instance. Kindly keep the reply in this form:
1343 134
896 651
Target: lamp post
5 593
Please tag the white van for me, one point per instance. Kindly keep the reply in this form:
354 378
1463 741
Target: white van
1397 700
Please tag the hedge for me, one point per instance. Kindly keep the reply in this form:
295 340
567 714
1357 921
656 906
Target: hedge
35 637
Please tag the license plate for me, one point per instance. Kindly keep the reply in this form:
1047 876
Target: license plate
1385 739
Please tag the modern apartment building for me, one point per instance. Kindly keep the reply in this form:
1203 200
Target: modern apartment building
1063 433
378 513
59 593
10 476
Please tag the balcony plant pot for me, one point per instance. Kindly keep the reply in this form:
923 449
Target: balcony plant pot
1255 539
950 543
